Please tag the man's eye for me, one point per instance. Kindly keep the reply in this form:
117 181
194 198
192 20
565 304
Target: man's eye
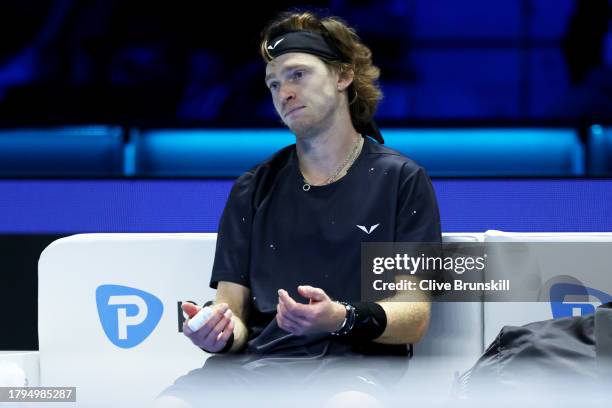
273 86
298 75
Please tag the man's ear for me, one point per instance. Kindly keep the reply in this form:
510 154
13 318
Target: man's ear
345 78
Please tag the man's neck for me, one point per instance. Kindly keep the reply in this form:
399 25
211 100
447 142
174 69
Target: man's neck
321 154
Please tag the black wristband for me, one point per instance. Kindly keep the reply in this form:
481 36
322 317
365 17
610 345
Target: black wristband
370 322
228 346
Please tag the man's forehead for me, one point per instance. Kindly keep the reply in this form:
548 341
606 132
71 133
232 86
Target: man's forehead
291 59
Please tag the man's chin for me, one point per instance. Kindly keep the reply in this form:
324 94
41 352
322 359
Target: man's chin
299 127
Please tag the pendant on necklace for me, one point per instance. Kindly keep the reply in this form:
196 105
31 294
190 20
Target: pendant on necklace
306 187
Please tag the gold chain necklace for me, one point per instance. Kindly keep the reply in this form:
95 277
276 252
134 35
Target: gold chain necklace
350 159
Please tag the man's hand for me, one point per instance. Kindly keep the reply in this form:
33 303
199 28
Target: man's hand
213 336
320 315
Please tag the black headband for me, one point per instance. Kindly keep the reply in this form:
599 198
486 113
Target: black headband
316 44
304 41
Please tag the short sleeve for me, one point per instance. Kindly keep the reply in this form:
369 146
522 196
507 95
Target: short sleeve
418 217
234 237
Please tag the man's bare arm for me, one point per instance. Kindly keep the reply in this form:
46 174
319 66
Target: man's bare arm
237 297
407 319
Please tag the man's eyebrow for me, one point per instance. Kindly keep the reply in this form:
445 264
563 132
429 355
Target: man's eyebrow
285 69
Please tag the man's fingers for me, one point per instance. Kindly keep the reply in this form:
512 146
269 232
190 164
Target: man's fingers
284 296
225 335
187 330
311 292
293 318
286 325
212 321
282 321
221 307
291 305
219 326
214 334
225 320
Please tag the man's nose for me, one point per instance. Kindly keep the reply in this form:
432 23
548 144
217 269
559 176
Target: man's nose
286 93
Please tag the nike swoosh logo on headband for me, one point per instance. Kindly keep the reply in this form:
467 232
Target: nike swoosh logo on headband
271 47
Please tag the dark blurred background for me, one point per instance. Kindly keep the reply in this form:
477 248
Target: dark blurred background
195 62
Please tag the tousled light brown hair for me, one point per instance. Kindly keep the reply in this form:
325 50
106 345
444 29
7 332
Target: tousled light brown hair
364 92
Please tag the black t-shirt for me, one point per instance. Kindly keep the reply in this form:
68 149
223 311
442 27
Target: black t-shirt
275 235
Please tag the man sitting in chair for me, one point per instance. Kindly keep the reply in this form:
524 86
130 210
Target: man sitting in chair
287 262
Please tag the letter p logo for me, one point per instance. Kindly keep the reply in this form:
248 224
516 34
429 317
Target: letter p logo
128 315
123 319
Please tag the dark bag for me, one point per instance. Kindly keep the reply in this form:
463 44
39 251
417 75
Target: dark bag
543 356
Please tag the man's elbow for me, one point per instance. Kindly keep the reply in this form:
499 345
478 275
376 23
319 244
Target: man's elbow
419 323
407 322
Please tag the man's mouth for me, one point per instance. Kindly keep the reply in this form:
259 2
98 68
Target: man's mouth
293 110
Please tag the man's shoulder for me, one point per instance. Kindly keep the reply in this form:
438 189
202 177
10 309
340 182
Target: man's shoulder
391 158
277 161
268 168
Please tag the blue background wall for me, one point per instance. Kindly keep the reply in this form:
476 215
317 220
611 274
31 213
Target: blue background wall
73 206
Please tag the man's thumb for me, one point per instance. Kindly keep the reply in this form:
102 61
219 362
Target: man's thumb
190 309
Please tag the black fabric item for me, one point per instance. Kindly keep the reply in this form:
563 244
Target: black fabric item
603 338
274 235
237 380
370 322
307 42
537 356
371 129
